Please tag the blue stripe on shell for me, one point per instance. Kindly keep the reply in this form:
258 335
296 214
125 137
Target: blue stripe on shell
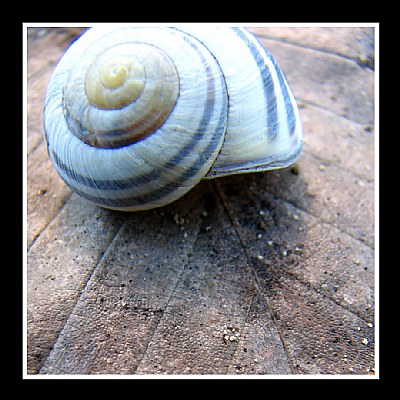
291 118
268 85
267 82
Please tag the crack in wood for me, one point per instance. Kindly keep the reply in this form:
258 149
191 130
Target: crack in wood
253 271
302 100
43 229
324 221
317 49
81 291
171 295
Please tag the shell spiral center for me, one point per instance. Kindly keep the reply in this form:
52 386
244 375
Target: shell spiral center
114 81
125 93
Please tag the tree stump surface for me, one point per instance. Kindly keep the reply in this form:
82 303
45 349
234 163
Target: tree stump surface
264 273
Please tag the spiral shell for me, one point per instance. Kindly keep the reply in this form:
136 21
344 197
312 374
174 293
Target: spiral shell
136 116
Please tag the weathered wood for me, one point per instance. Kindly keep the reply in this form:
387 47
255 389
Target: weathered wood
46 192
268 273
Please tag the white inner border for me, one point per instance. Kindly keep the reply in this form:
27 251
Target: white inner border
25 27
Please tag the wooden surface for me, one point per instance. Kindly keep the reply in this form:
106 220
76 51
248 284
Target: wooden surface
268 273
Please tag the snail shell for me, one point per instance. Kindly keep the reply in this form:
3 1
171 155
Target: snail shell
135 117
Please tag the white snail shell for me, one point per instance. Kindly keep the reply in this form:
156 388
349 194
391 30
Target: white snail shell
135 117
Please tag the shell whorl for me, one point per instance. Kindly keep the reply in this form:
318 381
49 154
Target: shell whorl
125 94
135 117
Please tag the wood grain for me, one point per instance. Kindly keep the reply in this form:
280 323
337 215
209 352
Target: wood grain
268 273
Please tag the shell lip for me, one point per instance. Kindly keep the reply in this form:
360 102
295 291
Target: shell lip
273 162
